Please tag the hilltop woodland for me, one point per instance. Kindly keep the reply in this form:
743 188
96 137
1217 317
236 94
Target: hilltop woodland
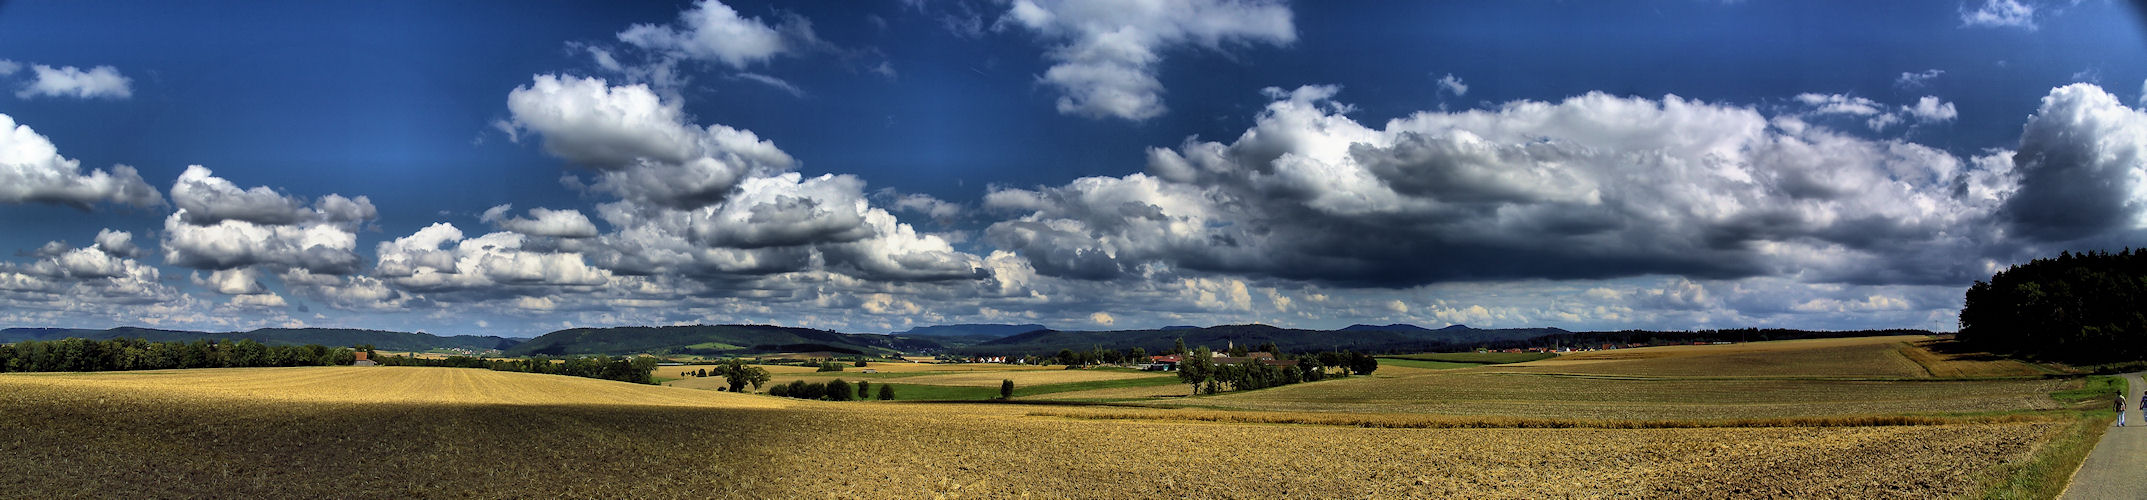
82 355
2078 308
123 354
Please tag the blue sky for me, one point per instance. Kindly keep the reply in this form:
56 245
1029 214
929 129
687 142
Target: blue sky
1087 165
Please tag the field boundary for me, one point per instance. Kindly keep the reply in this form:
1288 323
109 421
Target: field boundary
1598 376
1384 421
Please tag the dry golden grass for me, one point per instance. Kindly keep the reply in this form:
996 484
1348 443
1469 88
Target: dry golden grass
1958 365
1855 357
408 432
1405 421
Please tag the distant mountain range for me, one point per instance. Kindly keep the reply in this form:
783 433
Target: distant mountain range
971 330
1356 337
1397 327
716 340
339 337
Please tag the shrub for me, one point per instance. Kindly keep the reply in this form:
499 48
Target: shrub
1006 389
887 392
838 390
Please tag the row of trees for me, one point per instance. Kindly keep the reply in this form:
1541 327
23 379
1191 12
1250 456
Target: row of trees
1208 377
636 369
2083 307
832 390
84 355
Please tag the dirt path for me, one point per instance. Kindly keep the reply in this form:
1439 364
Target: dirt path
2118 466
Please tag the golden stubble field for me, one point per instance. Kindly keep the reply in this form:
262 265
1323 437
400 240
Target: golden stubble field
1798 378
953 375
433 432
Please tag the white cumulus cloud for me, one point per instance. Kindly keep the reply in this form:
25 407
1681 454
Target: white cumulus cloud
1106 53
69 81
32 171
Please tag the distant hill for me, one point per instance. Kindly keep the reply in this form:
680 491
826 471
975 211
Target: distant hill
1397 327
716 340
1360 337
1381 339
394 341
971 330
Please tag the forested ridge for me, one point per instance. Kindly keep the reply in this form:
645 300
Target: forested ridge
2077 307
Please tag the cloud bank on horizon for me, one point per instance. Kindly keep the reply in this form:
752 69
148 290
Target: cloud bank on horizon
1861 207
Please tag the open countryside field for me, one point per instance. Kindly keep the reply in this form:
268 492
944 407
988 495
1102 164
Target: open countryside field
1853 357
953 381
399 432
1798 378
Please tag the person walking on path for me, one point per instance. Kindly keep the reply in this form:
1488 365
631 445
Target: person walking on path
2121 409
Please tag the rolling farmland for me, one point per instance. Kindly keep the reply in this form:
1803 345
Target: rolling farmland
1796 378
407 431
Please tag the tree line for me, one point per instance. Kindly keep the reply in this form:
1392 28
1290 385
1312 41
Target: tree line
84 355
832 390
1208 377
636 369
2078 307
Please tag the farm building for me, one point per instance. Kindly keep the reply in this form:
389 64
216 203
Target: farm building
362 360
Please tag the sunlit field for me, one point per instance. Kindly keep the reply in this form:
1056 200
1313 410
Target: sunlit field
396 431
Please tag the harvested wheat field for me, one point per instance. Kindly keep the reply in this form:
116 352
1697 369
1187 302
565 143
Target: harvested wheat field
441 432
1871 357
956 375
1475 393
1798 378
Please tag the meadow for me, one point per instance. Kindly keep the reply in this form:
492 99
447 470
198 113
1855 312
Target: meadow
433 432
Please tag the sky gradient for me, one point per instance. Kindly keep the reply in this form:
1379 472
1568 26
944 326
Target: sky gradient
514 168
